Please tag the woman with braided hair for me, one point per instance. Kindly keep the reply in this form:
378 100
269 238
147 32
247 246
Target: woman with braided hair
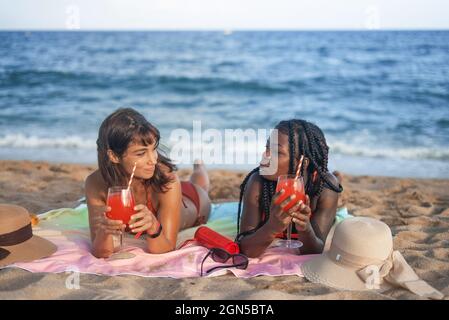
262 220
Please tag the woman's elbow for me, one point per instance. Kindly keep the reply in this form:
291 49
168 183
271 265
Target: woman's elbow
316 248
160 249
251 252
101 254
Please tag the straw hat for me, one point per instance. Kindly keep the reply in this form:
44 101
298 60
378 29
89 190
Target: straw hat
359 255
17 242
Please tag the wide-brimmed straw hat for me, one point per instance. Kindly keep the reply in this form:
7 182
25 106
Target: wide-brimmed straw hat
17 242
359 255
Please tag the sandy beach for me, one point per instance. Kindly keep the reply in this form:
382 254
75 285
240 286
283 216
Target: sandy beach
417 210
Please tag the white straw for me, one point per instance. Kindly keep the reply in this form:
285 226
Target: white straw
132 175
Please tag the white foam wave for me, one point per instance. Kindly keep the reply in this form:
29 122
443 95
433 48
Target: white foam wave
434 153
251 149
24 141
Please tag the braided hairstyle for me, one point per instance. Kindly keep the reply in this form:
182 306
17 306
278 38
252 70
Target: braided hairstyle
304 138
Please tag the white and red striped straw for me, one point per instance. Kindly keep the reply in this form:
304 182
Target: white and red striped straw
132 175
298 170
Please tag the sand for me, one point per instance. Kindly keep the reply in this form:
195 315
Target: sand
417 210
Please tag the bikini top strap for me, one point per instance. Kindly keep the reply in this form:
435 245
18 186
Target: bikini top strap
150 204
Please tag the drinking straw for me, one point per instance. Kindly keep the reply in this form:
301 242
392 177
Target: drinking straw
298 170
132 175
137 236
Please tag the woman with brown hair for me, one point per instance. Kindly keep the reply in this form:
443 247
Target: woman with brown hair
164 204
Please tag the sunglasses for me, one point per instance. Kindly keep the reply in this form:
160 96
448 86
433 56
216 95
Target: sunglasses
239 261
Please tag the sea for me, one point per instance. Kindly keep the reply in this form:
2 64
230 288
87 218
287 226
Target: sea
380 97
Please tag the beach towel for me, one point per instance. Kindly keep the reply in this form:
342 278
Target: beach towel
68 228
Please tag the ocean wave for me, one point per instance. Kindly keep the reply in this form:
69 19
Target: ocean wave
415 153
248 148
199 84
36 78
135 81
386 62
24 141
377 86
253 149
443 123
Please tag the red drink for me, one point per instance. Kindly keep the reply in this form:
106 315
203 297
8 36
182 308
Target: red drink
121 201
291 185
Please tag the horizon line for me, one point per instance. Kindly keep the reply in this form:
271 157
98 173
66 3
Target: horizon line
221 30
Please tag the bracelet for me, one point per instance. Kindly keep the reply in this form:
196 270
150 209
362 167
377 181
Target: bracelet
157 234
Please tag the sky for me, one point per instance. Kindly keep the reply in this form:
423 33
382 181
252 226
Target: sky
223 15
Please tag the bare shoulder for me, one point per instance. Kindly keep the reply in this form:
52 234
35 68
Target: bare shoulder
329 195
332 178
252 188
95 180
173 185
165 169
254 181
95 185
173 177
168 172
175 182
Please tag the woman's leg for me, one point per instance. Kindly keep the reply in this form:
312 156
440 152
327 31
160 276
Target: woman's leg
200 181
199 175
339 176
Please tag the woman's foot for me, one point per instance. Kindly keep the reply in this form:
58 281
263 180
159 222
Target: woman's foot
338 175
199 175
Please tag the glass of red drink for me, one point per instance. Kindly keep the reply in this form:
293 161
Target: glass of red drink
292 185
121 201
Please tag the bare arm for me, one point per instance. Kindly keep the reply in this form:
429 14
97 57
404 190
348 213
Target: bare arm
101 229
169 217
255 243
313 233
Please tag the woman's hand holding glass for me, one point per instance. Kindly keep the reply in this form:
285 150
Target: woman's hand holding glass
143 220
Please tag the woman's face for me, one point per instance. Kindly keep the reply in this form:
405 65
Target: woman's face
144 156
275 160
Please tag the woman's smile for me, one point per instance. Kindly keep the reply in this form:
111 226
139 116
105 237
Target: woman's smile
149 169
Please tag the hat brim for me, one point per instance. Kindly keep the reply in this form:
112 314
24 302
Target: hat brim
323 270
33 249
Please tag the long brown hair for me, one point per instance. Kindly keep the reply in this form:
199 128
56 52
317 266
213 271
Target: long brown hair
117 131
